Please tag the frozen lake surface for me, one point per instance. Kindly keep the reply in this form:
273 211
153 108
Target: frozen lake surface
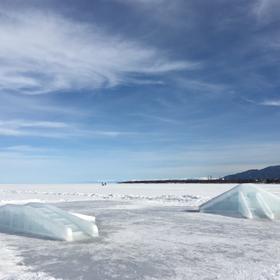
145 233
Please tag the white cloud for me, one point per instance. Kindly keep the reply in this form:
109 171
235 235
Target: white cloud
202 86
9 132
267 10
42 124
46 53
31 128
52 129
271 103
23 149
268 102
30 124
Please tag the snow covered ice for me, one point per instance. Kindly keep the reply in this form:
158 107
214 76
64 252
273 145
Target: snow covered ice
245 200
145 234
42 220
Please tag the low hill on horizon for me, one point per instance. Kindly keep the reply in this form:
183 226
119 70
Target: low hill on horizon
268 173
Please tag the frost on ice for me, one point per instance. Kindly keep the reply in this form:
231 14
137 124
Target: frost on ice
46 221
245 201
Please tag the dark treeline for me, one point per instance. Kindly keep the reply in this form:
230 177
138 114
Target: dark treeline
197 181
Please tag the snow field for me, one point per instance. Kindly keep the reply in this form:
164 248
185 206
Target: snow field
145 234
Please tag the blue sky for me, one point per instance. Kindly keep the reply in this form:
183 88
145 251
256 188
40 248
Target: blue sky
137 89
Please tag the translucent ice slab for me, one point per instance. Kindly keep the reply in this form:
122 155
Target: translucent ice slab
245 201
46 221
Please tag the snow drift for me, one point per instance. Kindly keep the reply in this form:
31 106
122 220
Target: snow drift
46 221
245 201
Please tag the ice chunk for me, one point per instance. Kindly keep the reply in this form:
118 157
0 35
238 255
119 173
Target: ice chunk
245 200
46 221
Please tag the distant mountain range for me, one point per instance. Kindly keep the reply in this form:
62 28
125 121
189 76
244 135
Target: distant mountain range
268 173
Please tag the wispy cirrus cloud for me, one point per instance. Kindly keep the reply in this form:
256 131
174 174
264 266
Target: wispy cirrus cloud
200 85
23 149
33 124
267 102
274 102
266 7
266 10
47 53
31 128
53 129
